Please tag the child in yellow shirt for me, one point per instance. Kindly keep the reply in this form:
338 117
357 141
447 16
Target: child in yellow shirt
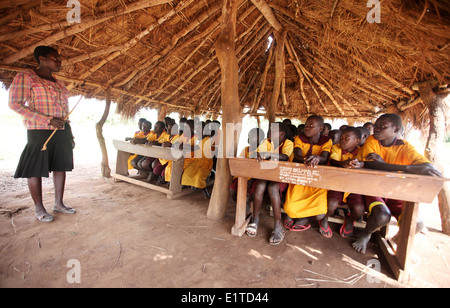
385 151
303 202
340 156
156 137
279 134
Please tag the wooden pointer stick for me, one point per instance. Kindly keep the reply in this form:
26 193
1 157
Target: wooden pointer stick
44 147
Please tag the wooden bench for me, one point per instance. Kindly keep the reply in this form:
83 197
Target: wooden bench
410 188
125 149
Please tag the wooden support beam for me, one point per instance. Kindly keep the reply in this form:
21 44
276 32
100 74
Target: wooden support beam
280 40
86 24
434 147
266 10
226 53
105 169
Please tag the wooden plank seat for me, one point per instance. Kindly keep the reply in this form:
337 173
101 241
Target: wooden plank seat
125 148
410 188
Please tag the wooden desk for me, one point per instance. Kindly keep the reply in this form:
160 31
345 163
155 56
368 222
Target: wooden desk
125 148
410 188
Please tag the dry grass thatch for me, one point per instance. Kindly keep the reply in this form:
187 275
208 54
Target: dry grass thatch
160 52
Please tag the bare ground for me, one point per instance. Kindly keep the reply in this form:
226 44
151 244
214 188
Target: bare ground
128 236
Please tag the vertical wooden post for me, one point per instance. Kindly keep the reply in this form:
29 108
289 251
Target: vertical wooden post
106 171
231 108
435 141
280 39
162 113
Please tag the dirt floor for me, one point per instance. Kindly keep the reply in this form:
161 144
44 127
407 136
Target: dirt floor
128 236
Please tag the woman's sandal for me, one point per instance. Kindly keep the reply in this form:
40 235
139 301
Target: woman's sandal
251 229
67 210
272 240
45 218
328 233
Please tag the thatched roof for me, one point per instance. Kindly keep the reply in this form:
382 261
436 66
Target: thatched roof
160 52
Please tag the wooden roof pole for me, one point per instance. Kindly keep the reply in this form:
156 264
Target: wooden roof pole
81 27
231 109
280 39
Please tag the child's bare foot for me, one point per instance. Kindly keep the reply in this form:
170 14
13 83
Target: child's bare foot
360 244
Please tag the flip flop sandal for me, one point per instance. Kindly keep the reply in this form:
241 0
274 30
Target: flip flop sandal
67 210
272 238
288 224
300 228
342 232
251 229
328 233
45 218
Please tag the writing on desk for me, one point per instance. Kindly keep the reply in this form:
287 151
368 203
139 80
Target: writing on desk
299 176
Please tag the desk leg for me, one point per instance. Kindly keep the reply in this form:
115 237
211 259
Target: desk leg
175 177
241 205
407 232
399 259
122 163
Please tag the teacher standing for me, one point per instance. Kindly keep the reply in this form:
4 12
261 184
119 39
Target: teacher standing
43 102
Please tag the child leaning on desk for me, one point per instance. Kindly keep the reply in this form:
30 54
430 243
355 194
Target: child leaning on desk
385 151
340 156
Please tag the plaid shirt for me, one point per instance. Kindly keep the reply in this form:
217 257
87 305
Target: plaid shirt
38 100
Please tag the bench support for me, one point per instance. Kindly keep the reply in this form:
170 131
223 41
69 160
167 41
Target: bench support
241 206
175 188
398 257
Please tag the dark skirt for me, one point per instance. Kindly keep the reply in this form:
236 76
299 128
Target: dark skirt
57 157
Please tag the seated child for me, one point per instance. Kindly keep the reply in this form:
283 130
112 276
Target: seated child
278 134
140 138
300 129
156 137
369 126
326 129
255 137
365 133
302 202
385 151
133 156
197 170
186 143
340 156
159 166
335 136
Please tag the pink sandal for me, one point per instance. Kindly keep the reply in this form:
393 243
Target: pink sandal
299 228
328 233
342 232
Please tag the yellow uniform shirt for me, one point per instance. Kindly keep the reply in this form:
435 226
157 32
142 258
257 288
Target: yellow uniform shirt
197 170
287 147
341 155
172 140
163 137
400 153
